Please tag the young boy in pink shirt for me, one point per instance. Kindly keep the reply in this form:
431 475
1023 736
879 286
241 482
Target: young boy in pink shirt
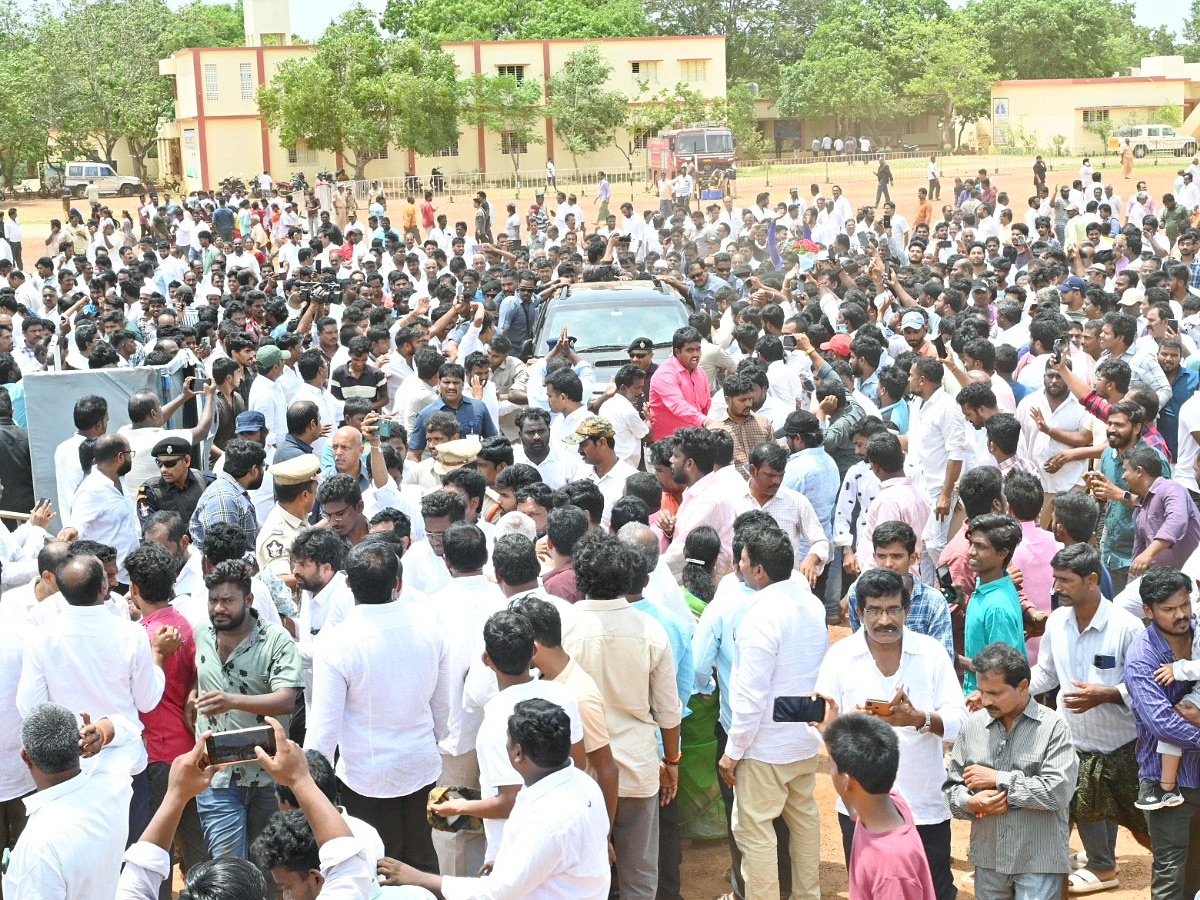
887 858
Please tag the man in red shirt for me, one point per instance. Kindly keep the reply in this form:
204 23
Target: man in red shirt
679 395
164 730
427 212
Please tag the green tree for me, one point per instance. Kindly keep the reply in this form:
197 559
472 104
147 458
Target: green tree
760 36
1190 33
24 126
494 20
586 116
737 109
360 91
199 24
508 107
953 73
856 63
114 91
1064 39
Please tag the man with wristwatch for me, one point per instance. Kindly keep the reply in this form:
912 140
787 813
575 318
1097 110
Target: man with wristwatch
907 680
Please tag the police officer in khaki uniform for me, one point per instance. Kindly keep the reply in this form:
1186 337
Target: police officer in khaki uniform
178 486
295 491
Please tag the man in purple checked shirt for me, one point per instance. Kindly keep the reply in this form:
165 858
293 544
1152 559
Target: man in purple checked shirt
1174 830
1166 524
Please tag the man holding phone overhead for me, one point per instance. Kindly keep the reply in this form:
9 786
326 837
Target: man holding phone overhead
907 680
771 757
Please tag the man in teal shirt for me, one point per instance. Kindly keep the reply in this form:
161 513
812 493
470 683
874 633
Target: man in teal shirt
1124 430
994 613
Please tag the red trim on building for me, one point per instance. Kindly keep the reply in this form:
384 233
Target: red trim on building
480 137
546 81
266 136
201 137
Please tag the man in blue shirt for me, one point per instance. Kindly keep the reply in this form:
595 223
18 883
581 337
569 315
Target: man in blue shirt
473 416
1183 384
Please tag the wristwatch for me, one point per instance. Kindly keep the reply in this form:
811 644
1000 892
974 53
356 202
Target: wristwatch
924 729
1127 497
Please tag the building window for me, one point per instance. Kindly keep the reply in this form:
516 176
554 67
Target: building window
645 70
378 154
210 83
693 70
641 136
517 72
452 150
511 144
300 155
1092 116
247 79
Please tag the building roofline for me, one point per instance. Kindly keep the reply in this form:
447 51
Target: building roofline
650 37
1121 79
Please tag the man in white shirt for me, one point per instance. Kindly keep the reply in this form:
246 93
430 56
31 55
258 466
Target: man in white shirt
90 659
912 673
597 447
629 426
790 509
388 741
555 461
267 397
772 764
101 509
937 446
73 841
461 609
1083 654
91 421
628 654
535 862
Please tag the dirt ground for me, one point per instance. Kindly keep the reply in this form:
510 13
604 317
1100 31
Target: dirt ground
706 864
1010 173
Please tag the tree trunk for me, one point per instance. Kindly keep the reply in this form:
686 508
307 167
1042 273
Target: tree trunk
359 165
516 161
948 127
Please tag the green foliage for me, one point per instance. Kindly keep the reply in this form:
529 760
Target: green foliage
200 24
760 37
501 103
361 91
737 110
494 20
953 74
1064 39
1190 33
585 114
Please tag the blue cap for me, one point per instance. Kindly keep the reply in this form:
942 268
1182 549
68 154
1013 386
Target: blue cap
1074 283
249 421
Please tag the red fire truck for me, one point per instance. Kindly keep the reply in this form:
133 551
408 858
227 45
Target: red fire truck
707 145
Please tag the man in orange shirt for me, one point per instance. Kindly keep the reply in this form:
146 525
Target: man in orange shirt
915 328
924 208
408 217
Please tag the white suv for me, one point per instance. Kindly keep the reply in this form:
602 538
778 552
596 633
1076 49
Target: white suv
1149 139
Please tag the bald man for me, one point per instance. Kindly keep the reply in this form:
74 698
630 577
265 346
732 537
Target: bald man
346 448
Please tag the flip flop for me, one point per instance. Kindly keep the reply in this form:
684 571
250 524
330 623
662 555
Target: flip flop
1085 881
1079 860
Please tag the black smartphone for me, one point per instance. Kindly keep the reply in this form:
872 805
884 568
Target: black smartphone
887 221
944 578
1059 345
1173 324
942 245
940 344
226 747
789 341
799 709
318 265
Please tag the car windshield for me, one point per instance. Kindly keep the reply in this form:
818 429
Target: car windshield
607 323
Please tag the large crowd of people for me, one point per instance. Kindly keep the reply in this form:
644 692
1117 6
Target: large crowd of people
488 622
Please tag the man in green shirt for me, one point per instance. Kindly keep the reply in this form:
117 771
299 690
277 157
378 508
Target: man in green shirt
994 613
246 669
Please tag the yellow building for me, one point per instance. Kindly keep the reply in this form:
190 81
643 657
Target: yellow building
1072 113
218 132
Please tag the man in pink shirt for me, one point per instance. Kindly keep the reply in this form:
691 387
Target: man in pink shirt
1034 576
679 396
707 500
166 734
898 500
